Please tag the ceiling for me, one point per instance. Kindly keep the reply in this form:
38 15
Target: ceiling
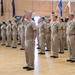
54 0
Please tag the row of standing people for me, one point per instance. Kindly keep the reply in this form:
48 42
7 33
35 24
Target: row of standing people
49 33
11 32
57 35
44 34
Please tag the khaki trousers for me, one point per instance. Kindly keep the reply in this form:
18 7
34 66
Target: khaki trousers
48 41
14 40
23 41
42 42
71 46
29 52
61 44
3 38
65 42
19 38
8 39
54 44
38 40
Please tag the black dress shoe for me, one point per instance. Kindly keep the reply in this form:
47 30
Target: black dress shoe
19 43
65 49
29 69
41 53
26 67
72 61
14 47
22 49
3 44
47 50
8 46
38 48
51 56
54 56
69 60
61 52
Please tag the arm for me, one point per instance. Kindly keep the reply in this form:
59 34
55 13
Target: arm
59 31
64 33
35 34
22 20
45 31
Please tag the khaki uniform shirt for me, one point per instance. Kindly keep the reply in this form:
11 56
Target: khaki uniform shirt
48 28
55 27
42 27
70 30
8 29
61 27
22 29
19 29
14 28
29 30
3 29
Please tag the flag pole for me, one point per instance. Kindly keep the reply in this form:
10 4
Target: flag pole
56 9
65 8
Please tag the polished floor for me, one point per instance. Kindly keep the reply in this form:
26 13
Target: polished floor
12 61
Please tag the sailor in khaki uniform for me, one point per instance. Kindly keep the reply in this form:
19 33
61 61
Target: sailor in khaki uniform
54 36
61 40
19 34
38 34
42 35
65 40
8 31
14 29
22 37
70 31
3 33
48 34
30 35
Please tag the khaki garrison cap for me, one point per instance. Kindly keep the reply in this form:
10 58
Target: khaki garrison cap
55 15
61 17
71 13
48 19
29 11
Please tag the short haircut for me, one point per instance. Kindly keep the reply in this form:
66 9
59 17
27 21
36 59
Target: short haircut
66 19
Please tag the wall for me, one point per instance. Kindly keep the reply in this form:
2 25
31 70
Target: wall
41 8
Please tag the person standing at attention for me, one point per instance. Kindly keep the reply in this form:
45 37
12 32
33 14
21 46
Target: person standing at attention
70 31
54 36
30 35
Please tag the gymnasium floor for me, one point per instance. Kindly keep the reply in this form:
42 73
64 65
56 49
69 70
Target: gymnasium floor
12 61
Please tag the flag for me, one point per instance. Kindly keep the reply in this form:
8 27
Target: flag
13 8
60 7
2 8
69 6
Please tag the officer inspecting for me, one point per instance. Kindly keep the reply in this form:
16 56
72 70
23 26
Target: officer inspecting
54 36
71 37
30 35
